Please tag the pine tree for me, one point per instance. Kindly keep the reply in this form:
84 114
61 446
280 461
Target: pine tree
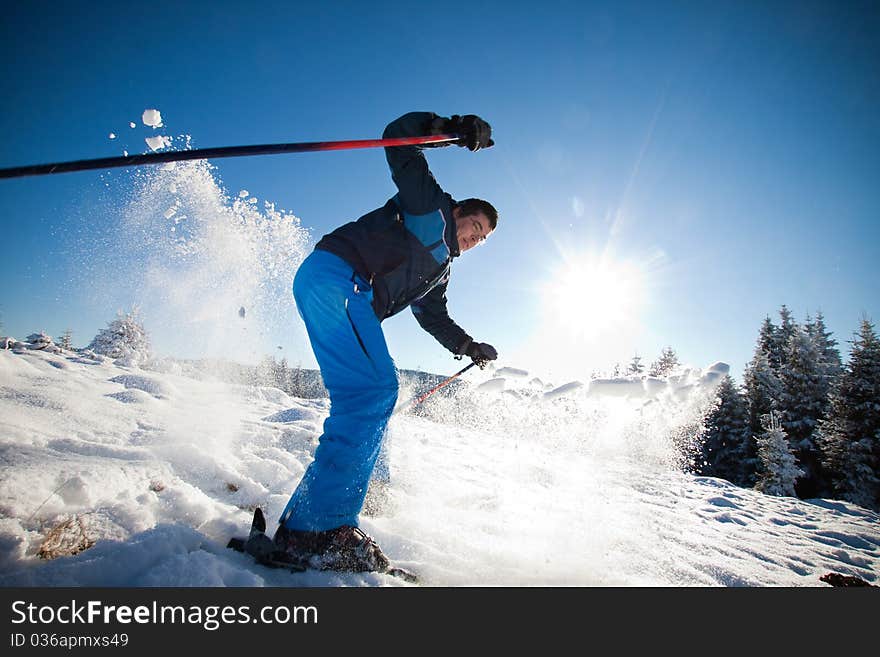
779 469
124 339
264 373
726 437
66 342
781 338
667 362
826 349
282 375
762 388
850 436
297 384
635 365
802 405
767 343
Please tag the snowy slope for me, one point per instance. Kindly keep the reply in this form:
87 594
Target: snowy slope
532 484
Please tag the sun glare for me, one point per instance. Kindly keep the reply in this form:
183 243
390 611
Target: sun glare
590 294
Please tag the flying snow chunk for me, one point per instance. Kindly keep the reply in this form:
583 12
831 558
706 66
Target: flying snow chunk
563 390
511 371
112 135
617 387
492 385
132 124
244 193
156 143
152 118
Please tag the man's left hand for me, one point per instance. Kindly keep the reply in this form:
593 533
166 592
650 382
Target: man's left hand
481 353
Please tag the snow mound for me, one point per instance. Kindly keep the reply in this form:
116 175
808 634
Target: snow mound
563 390
293 415
157 388
39 342
617 387
265 394
132 396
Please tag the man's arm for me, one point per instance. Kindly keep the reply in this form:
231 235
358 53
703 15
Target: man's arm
419 191
431 314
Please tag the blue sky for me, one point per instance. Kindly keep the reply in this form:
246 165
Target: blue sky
666 173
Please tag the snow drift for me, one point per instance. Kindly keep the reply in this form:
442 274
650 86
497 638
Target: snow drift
120 476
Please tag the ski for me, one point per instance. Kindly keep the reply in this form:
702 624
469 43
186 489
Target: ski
262 549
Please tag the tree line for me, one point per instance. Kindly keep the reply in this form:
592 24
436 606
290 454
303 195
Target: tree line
802 423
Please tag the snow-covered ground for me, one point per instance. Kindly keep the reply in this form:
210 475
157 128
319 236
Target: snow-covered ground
518 482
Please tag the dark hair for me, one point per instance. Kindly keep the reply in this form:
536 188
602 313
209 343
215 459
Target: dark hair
471 206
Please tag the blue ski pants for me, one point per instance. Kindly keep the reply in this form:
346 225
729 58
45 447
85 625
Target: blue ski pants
349 345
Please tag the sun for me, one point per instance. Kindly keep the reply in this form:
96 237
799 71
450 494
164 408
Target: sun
590 294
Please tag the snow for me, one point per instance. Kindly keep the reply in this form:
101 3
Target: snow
148 472
190 272
158 142
152 118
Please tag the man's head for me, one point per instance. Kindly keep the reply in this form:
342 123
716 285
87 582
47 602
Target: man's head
475 219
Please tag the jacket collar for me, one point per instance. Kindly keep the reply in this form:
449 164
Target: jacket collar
451 239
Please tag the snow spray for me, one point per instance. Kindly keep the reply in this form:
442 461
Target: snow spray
190 256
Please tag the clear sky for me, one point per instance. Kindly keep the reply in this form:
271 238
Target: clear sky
666 173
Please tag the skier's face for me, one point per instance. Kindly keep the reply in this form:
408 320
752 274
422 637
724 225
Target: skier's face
471 229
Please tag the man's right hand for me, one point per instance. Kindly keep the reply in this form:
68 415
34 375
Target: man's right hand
475 132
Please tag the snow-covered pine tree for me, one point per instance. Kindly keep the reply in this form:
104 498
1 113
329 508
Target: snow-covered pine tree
781 338
667 362
778 465
264 372
124 340
297 383
635 365
726 437
282 375
826 348
802 405
767 343
66 340
850 436
762 388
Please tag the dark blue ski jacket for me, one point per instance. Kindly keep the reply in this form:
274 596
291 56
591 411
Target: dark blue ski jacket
404 249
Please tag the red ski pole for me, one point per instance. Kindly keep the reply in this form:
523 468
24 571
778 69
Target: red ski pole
224 151
418 400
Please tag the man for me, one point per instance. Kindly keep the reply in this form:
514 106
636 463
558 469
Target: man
394 257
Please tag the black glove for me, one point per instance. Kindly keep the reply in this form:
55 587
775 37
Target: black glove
481 353
475 133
